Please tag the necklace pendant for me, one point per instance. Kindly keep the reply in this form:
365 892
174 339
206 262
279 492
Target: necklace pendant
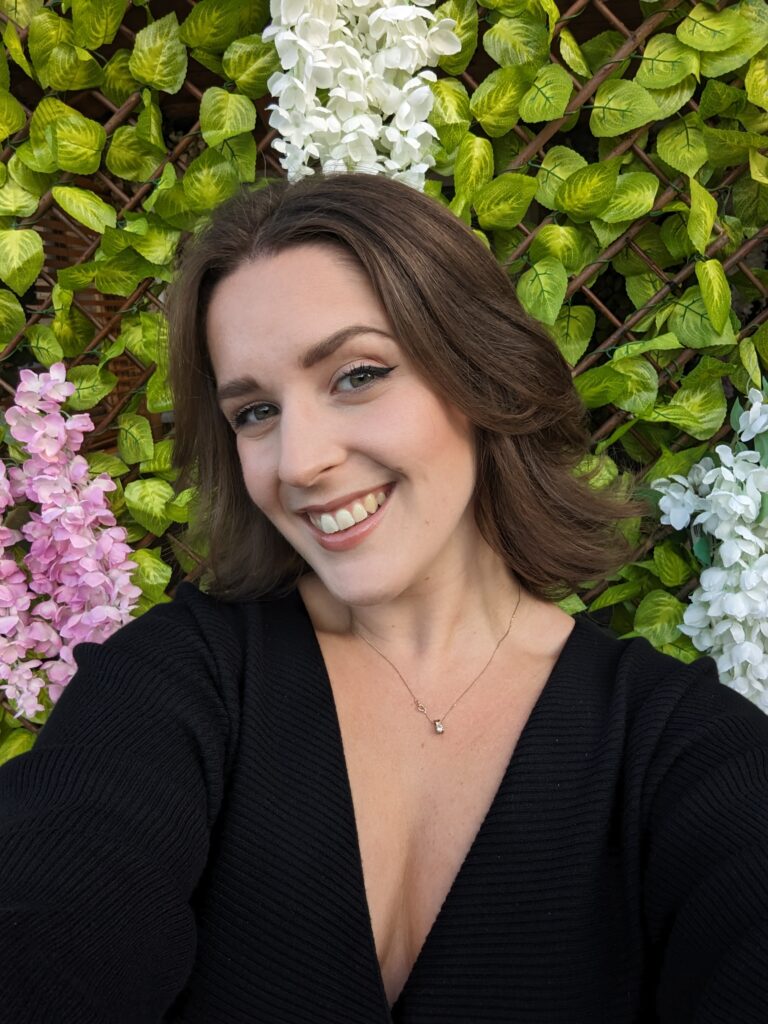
439 727
420 707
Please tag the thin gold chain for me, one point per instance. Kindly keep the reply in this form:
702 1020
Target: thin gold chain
418 704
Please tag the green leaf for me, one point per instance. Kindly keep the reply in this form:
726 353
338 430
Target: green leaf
209 180
151 574
104 462
130 156
224 114
599 385
78 142
633 197
669 101
122 274
662 343
91 385
119 83
616 594
474 166
249 63
134 438
15 49
681 144
21 258
758 166
31 181
570 245
756 82
619 107
212 24
726 148
542 288
572 55
159 394
666 62
670 462
58 62
149 124
15 201
450 114
156 241
587 192
557 166
96 21
495 103
642 287
21 11
159 57
548 97
17 742
691 323
671 567
657 617
85 207
180 508
750 201
43 344
748 357
503 202
572 331
702 216
715 292
699 408
241 153
147 501
145 335
641 384
12 318
709 30
520 40
12 116
464 13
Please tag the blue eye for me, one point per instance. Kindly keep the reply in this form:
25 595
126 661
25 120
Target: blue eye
362 376
260 411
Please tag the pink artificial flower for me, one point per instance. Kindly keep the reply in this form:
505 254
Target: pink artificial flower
39 435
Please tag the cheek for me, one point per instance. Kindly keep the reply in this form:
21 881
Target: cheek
254 467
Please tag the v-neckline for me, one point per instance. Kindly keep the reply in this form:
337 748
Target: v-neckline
539 708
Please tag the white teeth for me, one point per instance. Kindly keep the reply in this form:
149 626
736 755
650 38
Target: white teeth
343 518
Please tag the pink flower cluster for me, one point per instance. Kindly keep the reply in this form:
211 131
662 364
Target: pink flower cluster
74 583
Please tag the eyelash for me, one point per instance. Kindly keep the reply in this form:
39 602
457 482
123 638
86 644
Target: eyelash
376 372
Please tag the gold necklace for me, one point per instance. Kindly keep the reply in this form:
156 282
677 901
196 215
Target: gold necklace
418 704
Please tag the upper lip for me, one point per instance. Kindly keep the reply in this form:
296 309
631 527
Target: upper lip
345 500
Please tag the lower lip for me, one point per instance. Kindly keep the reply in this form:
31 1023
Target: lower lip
354 535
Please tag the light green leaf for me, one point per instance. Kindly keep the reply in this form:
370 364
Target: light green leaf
159 57
691 323
670 462
465 14
450 114
12 318
726 147
159 394
642 287
57 60
542 288
503 202
85 207
12 116
702 216
599 385
698 408
756 82
607 233
548 97
709 30
241 153
161 462
474 166
557 166
748 357
151 574
209 180
496 101
43 344
750 201
758 166
572 55
149 124
715 292
570 245
657 617
77 144
104 462
599 50
134 438
147 501
21 11
156 243
681 144
588 191
619 107
520 40
14 47
31 181
122 274
145 336
633 197
224 114
616 594
91 385
250 63
572 331
212 24
119 83
641 384
662 343
15 201
130 156
19 741
21 258
96 21
669 101
666 61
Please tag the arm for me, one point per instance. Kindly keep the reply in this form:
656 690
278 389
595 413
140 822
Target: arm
104 825
707 867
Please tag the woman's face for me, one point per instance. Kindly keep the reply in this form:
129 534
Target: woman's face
359 465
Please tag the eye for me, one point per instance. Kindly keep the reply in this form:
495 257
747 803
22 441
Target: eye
360 377
253 414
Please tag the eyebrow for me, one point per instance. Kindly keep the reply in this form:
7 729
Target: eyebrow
321 350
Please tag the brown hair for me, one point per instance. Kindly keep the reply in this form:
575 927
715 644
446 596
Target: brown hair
455 314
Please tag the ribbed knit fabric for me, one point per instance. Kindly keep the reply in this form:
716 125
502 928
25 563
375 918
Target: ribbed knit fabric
180 845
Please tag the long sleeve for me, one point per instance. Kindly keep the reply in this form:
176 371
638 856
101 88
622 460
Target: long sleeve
707 866
105 823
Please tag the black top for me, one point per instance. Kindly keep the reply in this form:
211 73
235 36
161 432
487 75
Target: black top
180 845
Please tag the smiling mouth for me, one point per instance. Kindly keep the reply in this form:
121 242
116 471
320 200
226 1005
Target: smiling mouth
350 515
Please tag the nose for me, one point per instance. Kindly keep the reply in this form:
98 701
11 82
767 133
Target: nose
309 445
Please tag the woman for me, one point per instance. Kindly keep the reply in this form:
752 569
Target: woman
375 773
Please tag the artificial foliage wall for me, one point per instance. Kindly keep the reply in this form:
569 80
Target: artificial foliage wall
611 155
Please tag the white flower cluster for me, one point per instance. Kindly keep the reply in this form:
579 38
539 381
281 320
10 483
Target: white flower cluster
353 94
727 616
